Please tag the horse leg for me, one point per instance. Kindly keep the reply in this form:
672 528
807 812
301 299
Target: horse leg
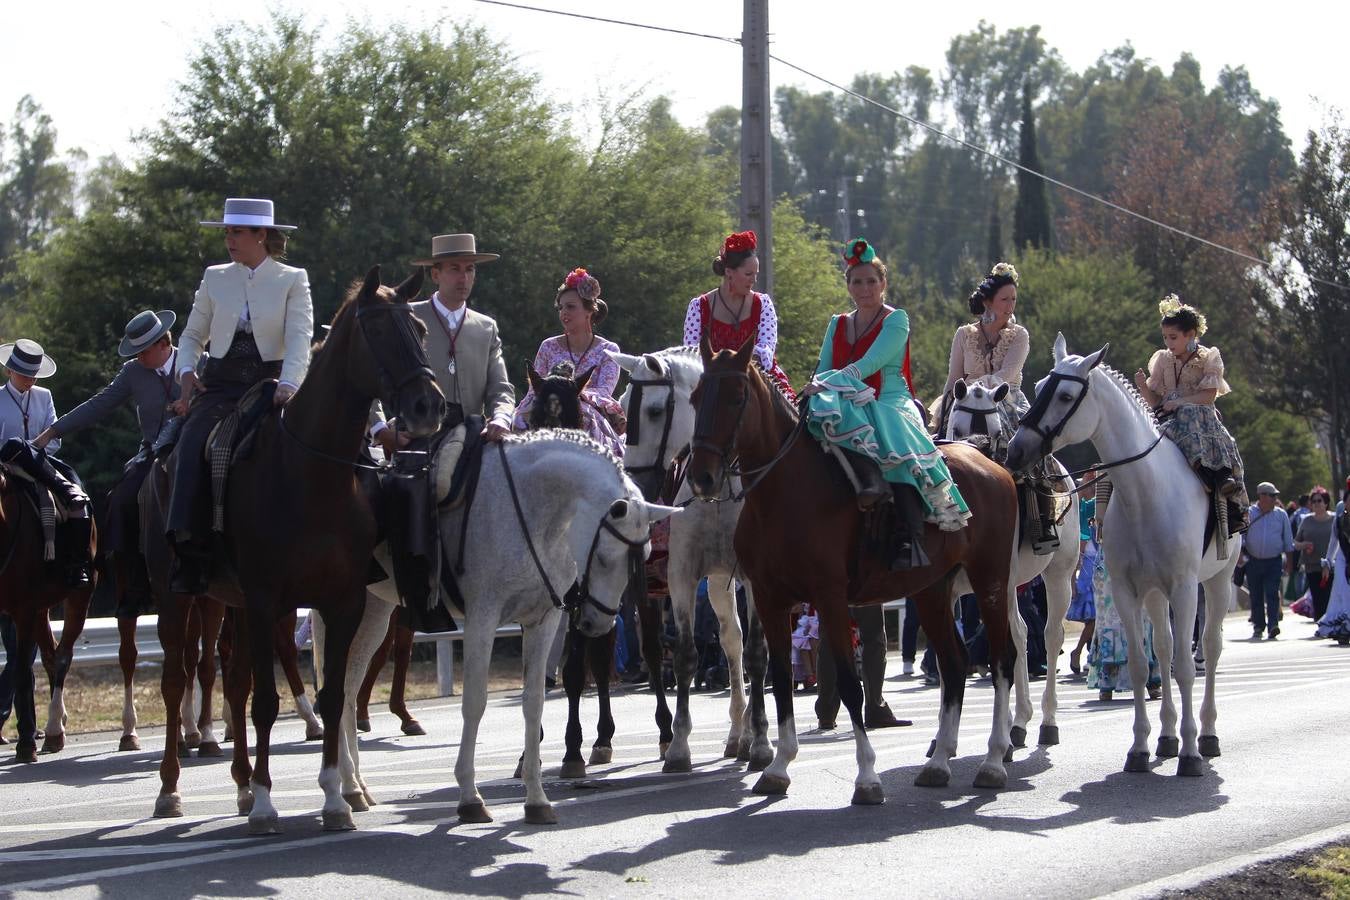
238 682
835 629
478 635
778 634
1021 679
210 613
934 604
682 600
723 601
1183 604
1156 605
373 672
993 594
1058 594
25 686
1132 620
191 737
535 643
369 636
76 608
1217 592
172 627
260 639
574 681
289 657
224 646
758 750
338 639
398 690
601 653
126 660
650 626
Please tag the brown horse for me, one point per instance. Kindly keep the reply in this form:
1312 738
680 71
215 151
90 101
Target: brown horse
299 530
29 587
800 539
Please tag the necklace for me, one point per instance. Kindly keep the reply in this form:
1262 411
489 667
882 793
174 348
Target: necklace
735 316
859 334
453 336
576 360
1177 367
23 407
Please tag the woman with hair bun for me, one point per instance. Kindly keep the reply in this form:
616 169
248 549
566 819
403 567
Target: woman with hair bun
1182 382
578 350
734 311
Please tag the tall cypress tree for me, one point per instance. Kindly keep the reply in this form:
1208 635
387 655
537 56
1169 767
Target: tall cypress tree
1031 216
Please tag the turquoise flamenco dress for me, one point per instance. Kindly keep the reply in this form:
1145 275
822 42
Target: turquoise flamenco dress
867 407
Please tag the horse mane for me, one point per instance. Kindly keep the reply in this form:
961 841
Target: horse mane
777 394
1130 391
567 436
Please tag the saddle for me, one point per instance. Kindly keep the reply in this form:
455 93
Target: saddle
50 510
232 439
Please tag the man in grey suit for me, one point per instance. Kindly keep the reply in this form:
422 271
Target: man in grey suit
463 346
148 380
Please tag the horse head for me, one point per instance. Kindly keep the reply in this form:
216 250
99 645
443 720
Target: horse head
382 347
557 396
720 403
660 417
975 412
1063 413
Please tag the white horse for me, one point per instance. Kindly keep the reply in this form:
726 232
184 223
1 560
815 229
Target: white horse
660 424
975 414
1153 538
552 496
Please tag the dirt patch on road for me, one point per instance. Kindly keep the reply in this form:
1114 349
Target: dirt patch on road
1320 873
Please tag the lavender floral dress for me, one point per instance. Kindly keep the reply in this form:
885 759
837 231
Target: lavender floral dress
597 400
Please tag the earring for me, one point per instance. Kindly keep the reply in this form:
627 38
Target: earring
988 316
1192 345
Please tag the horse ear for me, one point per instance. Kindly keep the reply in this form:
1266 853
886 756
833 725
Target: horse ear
1097 358
625 361
747 350
536 382
705 350
580 380
656 512
1000 392
1061 348
959 389
411 286
655 364
371 286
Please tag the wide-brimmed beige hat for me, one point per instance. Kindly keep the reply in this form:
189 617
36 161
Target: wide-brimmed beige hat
463 247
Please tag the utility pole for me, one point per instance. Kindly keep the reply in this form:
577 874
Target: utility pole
756 178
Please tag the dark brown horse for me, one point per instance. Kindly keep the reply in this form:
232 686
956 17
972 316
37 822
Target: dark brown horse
800 539
29 587
299 530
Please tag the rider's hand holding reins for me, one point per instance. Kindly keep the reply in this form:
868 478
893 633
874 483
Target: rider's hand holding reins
284 393
493 432
391 439
188 383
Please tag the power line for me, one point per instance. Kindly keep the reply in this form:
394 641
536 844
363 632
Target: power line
1088 195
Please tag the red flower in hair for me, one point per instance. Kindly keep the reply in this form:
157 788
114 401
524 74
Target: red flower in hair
740 242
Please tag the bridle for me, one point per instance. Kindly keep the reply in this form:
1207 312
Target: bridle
1032 422
705 420
580 591
634 431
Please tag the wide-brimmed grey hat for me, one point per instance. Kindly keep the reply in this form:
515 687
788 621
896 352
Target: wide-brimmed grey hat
144 329
248 213
463 247
26 358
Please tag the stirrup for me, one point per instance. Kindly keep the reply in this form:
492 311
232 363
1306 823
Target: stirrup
1047 541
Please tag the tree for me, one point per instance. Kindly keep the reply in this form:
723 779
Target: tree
1031 215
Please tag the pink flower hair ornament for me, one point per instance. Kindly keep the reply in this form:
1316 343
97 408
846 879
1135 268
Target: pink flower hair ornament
584 283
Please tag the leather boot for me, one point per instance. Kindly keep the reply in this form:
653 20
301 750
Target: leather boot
79 564
873 488
909 525
187 575
36 464
1048 540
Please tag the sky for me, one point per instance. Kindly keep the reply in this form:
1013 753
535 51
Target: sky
110 70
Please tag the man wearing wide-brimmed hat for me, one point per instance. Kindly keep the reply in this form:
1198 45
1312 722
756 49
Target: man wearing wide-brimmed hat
148 380
25 411
463 346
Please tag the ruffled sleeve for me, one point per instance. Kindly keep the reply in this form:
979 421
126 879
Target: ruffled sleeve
1156 382
693 323
766 339
1211 372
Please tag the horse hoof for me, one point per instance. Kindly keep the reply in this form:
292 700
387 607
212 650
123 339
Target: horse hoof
1209 745
663 747
868 795
990 777
540 814
733 751
227 737
931 776
1168 747
128 743
312 734
932 748
361 725
26 752
1191 767
674 766
412 728
339 820
1018 735
571 768
772 785
209 748
760 761
1049 735
169 806
54 743
193 741
1008 755
357 801
269 824
743 755
1136 762
473 813
601 756
183 751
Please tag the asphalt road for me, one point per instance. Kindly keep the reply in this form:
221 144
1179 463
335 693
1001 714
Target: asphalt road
1069 824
